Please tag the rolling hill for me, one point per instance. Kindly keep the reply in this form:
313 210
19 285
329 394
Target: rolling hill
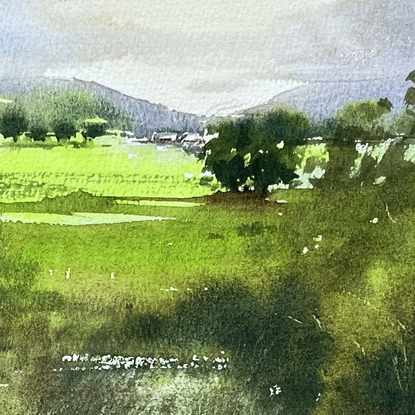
322 99
148 117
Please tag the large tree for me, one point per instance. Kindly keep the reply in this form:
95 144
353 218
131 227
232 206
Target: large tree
225 153
256 150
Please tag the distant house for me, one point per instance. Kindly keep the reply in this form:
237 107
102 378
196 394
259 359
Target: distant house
191 139
165 137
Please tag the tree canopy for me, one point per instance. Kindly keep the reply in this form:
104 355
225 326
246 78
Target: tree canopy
363 120
13 121
256 151
63 129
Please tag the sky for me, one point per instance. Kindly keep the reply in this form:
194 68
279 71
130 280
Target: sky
207 57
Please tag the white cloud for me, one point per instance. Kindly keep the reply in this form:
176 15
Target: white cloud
170 86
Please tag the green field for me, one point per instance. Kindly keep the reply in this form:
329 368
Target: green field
30 174
201 241
311 285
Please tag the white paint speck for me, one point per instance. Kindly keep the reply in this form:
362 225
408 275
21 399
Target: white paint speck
206 174
380 180
275 390
305 250
375 220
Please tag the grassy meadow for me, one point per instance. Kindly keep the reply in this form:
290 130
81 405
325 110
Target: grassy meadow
302 297
30 174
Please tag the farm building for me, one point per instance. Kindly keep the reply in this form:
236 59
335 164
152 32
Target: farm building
165 137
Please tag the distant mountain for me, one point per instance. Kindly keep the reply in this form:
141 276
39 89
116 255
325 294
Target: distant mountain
322 99
148 117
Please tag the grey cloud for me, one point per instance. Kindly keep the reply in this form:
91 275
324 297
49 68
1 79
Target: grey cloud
214 87
347 39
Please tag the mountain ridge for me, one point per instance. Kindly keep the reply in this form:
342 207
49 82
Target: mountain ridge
147 116
321 99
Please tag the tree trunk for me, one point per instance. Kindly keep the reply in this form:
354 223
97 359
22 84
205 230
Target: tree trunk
234 186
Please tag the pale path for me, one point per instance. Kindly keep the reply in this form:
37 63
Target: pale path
77 219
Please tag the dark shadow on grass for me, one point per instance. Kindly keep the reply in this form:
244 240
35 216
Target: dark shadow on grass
274 337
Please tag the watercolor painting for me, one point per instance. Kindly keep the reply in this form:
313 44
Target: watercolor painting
207 207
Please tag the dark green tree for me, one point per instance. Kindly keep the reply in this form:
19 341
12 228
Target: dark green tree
266 169
93 127
38 132
225 154
256 150
13 122
271 151
361 121
232 173
63 129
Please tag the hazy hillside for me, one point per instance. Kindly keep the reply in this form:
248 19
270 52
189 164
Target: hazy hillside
322 99
148 117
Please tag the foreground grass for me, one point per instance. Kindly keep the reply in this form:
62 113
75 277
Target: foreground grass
201 241
350 284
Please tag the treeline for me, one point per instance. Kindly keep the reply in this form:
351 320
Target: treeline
63 112
256 151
